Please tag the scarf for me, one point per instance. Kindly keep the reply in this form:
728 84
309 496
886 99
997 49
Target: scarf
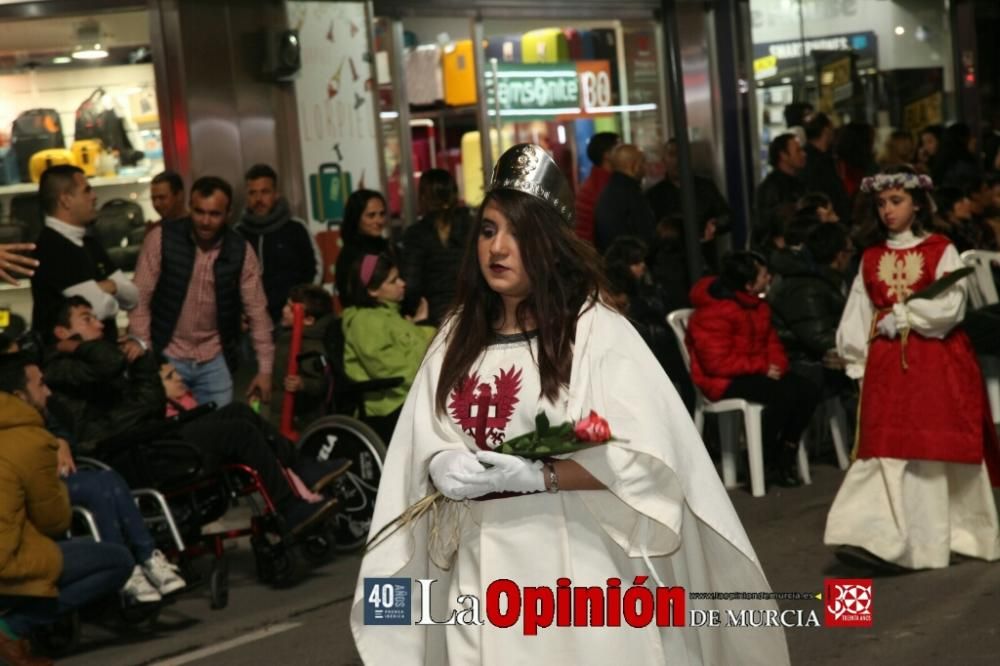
264 224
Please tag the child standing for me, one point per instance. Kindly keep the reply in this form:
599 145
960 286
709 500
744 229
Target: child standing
378 341
919 488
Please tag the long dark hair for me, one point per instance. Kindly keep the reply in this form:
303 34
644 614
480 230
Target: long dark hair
872 231
357 291
564 272
354 209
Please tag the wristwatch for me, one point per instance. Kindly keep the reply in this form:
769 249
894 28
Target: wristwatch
553 478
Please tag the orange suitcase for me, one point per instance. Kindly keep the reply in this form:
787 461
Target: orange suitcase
459 74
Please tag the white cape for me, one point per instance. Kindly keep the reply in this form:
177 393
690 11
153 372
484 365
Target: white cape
664 499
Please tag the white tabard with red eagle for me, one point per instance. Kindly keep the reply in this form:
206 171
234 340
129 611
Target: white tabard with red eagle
920 487
663 499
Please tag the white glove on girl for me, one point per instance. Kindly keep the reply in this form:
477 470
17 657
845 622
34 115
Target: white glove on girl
507 474
901 314
445 468
887 326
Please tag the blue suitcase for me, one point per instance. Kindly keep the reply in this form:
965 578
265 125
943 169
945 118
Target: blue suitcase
505 48
9 175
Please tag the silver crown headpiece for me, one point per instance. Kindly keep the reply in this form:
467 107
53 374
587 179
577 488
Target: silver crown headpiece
528 168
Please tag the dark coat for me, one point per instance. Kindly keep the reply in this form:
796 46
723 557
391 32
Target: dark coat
775 193
430 267
622 210
98 394
730 335
820 175
665 200
287 259
806 303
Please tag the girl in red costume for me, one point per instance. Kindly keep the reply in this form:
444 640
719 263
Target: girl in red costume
919 489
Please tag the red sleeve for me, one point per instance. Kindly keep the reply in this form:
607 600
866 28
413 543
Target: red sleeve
713 337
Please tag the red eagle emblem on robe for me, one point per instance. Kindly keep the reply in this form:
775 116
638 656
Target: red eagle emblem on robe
483 410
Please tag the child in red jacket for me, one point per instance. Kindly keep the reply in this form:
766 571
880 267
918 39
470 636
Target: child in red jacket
736 353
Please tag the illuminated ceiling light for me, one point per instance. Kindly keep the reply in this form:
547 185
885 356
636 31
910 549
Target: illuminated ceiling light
62 60
900 31
88 42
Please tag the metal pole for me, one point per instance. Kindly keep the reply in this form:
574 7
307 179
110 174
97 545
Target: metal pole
482 110
678 112
402 103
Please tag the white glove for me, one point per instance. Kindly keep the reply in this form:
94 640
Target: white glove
507 474
901 314
887 326
447 465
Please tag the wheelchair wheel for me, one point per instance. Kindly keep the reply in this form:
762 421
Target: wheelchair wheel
218 584
319 545
263 558
341 436
134 615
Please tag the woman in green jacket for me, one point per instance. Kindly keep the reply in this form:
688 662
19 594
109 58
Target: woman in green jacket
379 342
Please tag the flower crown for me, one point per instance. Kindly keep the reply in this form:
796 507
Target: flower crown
885 181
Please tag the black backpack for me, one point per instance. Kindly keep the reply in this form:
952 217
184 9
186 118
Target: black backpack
35 130
121 227
95 122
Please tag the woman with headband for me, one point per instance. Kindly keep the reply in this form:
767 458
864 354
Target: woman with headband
594 538
919 487
378 341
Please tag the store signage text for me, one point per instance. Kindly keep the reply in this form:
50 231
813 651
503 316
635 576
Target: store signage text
571 88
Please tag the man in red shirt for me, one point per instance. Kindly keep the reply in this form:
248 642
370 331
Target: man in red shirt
599 152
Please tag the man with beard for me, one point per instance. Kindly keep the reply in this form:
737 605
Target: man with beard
282 243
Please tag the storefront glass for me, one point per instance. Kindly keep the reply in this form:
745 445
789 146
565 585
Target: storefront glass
887 63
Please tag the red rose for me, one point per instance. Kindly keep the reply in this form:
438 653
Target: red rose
594 428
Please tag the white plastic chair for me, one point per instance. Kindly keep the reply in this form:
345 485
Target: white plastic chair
983 292
728 412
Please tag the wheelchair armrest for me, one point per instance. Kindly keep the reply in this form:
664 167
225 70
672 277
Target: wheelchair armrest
83 462
370 385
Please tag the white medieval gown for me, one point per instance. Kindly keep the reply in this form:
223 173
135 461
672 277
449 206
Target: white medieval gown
663 499
912 512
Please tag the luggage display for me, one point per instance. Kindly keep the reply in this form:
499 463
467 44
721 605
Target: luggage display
328 243
43 159
32 131
574 42
94 121
9 175
545 45
85 155
606 48
583 129
588 46
26 211
472 161
329 188
121 227
424 79
505 48
459 74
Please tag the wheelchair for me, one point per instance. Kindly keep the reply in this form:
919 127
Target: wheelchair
197 499
343 433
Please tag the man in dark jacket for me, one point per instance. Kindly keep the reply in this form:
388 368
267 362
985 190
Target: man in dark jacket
282 243
820 172
100 394
807 300
778 193
622 210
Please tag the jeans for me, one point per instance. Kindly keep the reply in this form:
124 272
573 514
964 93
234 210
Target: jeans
209 381
105 494
90 571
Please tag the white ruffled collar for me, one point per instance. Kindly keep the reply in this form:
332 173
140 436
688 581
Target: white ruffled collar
904 240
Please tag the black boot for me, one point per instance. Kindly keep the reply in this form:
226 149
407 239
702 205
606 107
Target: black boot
786 473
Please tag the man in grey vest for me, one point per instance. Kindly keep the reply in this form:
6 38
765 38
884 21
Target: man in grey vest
196 278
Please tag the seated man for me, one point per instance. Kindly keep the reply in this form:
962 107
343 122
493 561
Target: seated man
39 578
102 394
735 353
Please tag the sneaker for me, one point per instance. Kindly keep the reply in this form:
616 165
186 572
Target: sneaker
318 474
301 515
162 573
138 589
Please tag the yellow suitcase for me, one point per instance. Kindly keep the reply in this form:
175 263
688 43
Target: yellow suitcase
472 162
545 45
85 154
43 159
459 74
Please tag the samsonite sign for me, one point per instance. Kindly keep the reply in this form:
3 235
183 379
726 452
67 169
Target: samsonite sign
574 89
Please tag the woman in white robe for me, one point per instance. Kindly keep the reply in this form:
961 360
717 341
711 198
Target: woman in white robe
648 504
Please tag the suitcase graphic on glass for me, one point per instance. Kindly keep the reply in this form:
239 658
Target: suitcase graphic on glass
328 192
545 45
505 48
459 74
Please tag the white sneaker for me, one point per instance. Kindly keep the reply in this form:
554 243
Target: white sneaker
162 573
138 589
